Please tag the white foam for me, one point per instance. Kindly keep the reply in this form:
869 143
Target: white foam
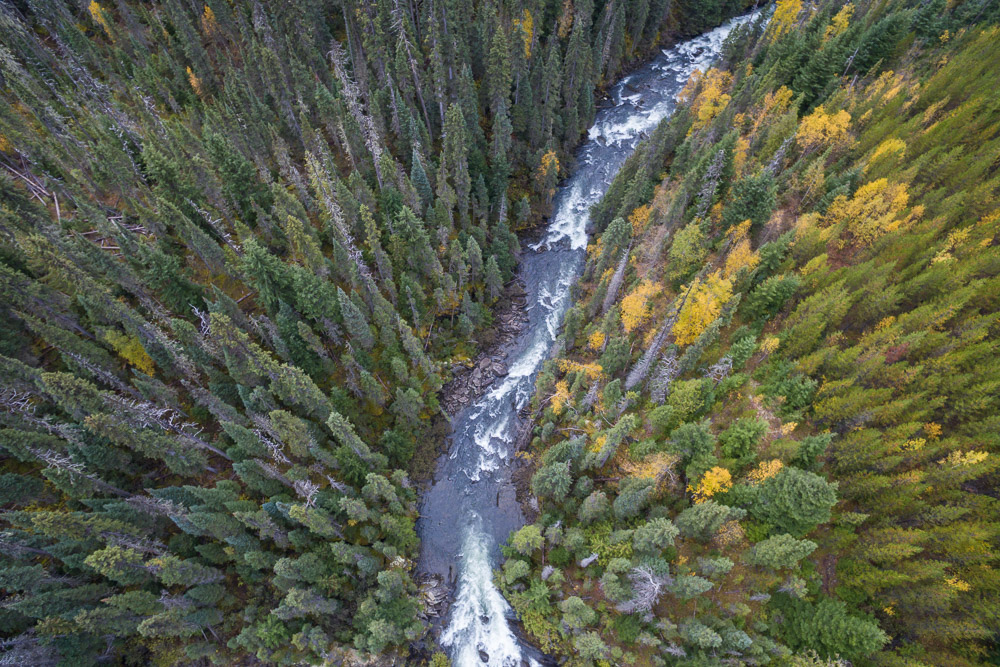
478 615
488 436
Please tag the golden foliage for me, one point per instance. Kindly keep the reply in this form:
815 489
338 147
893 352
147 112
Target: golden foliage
194 81
131 350
653 466
931 112
596 340
820 129
788 428
592 371
769 344
716 480
596 248
960 459
885 323
886 86
740 155
640 217
559 398
774 103
100 17
888 147
548 171
957 584
873 210
526 25
703 305
635 306
765 470
839 22
785 14
741 256
711 96
208 22
955 239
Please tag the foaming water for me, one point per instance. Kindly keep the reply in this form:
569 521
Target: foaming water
479 613
471 507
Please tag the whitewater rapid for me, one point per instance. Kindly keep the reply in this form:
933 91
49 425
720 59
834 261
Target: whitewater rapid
471 507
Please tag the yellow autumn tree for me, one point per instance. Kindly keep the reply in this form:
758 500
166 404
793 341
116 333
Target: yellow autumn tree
592 371
711 97
659 465
639 217
559 398
960 459
769 344
635 306
873 211
547 174
526 24
194 81
889 147
957 584
100 18
742 256
596 340
786 13
764 470
821 129
716 480
774 103
839 22
208 22
702 307
740 155
131 350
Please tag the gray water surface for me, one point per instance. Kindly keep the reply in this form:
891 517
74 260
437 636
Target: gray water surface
471 508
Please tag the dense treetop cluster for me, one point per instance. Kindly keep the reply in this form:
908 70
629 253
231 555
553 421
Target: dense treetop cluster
771 435
241 244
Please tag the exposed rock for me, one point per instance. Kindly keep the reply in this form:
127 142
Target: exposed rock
471 379
434 594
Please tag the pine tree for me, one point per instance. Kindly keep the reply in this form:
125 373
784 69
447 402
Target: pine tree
355 321
493 279
419 178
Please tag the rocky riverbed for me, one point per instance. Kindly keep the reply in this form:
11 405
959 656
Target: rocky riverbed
470 380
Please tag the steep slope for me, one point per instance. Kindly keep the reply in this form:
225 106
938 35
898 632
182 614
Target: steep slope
771 435
241 246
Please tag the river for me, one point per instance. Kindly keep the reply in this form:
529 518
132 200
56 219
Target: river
471 508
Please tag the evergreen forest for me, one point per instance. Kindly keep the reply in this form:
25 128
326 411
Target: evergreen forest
244 245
